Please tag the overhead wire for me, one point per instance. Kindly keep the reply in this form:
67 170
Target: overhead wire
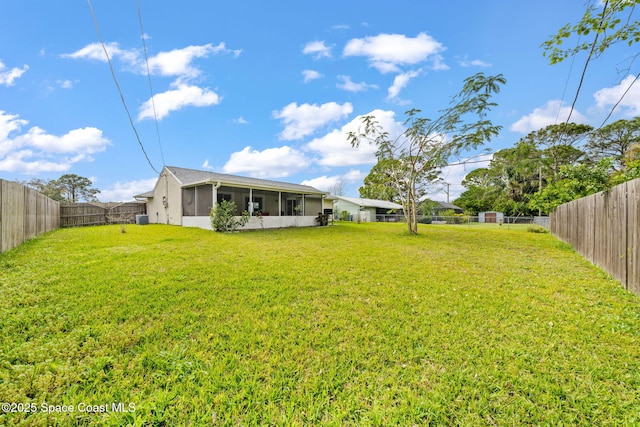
115 80
146 60
586 64
566 83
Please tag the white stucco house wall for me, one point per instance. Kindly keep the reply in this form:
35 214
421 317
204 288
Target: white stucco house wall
185 197
366 210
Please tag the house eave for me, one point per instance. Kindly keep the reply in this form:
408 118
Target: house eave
253 187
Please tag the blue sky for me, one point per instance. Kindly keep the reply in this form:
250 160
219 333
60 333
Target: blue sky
268 89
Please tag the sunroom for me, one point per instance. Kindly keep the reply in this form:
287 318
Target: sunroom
271 204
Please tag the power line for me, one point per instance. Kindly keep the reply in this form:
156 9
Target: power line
115 80
619 101
584 70
566 83
146 60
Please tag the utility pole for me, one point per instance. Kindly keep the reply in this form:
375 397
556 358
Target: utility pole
539 186
447 191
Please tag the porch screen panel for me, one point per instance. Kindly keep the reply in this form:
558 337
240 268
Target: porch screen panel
204 200
188 201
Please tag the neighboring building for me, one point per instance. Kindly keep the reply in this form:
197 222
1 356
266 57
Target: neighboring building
491 217
327 204
366 210
445 206
185 197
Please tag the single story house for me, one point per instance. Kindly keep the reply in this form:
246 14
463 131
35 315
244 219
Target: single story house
445 206
185 197
366 210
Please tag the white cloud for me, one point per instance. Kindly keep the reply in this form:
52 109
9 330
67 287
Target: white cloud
79 141
310 75
400 81
305 119
269 163
354 175
124 191
630 104
453 175
206 165
38 151
318 49
552 112
8 77
350 86
324 182
437 63
335 150
387 52
240 121
184 95
65 84
178 62
174 63
24 162
466 62
95 52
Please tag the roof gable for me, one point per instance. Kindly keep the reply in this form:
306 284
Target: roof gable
447 205
370 203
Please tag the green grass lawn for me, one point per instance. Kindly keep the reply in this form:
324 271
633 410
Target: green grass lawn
353 324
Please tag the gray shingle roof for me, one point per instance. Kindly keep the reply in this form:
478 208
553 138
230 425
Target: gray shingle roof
188 177
371 203
446 205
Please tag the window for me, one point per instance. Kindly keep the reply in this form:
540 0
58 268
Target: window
204 199
258 205
189 201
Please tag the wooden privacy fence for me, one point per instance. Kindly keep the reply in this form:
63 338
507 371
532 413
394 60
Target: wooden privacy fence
605 229
24 213
83 214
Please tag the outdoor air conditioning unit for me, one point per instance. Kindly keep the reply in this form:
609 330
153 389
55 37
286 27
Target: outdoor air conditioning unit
142 219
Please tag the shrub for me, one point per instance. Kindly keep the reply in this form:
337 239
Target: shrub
322 219
425 220
537 229
224 218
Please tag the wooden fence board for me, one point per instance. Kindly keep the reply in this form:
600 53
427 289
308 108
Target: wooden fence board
605 229
600 235
13 215
86 214
24 213
633 236
30 213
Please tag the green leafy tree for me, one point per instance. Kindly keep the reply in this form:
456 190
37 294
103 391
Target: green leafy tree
75 188
428 207
224 217
609 25
517 172
426 145
48 188
576 181
559 143
630 171
378 184
482 192
70 188
614 140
